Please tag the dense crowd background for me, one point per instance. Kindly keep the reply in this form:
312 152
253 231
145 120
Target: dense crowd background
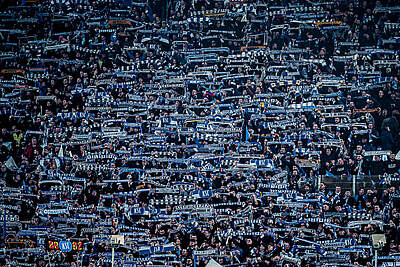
257 133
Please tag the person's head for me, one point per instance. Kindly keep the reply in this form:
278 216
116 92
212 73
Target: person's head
307 188
322 186
361 192
3 168
328 151
358 148
338 189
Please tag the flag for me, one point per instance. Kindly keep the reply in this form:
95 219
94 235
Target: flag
10 164
329 174
61 152
213 263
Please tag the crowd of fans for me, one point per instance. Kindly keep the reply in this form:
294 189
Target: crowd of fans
234 133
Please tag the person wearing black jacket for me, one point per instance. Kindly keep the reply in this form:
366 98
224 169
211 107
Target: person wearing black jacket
387 138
